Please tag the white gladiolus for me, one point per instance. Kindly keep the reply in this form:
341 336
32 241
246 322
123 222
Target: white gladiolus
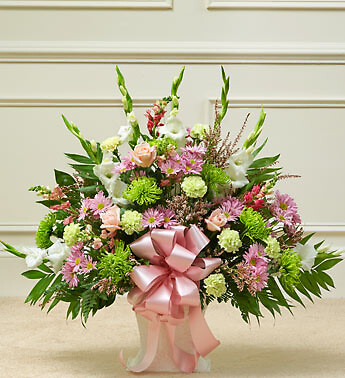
132 119
57 253
34 256
124 133
111 181
175 130
238 166
307 253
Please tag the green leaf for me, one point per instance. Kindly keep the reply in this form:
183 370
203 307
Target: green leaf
307 238
53 304
79 158
259 149
12 250
292 293
326 278
52 289
328 264
83 167
302 290
45 268
63 178
33 274
309 283
264 162
48 203
37 291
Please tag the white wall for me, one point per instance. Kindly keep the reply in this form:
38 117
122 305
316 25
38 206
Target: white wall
59 57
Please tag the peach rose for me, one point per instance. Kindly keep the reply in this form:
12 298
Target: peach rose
111 219
216 220
144 155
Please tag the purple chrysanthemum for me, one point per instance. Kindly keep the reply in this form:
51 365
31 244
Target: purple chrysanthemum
255 256
168 216
100 203
232 208
68 275
284 209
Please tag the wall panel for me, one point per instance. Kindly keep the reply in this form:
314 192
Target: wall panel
288 56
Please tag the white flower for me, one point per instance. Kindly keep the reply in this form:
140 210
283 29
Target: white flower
238 166
307 253
124 133
173 112
34 256
175 130
111 181
57 253
132 119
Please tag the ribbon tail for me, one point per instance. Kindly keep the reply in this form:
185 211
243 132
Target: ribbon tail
150 351
203 339
184 361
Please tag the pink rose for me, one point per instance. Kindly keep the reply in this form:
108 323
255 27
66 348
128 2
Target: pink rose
216 220
144 155
111 219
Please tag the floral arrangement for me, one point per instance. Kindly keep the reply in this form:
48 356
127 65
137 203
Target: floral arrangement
173 178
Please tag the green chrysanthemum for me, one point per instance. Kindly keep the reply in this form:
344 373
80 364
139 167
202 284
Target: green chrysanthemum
117 265
214 177
255 224
215 285
143 191
290 268
44 231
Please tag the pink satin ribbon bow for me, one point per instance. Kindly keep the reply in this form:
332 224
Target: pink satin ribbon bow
170 285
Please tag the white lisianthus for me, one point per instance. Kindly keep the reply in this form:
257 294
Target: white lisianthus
57 253
238 166
307 253
175 130
34 256
124 133
132 119
111 181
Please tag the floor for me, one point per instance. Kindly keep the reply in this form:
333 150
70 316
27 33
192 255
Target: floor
34 345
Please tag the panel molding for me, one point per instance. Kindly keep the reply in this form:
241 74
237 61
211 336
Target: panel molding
109 102
172 52
73 102
88 4
276 4
290 103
